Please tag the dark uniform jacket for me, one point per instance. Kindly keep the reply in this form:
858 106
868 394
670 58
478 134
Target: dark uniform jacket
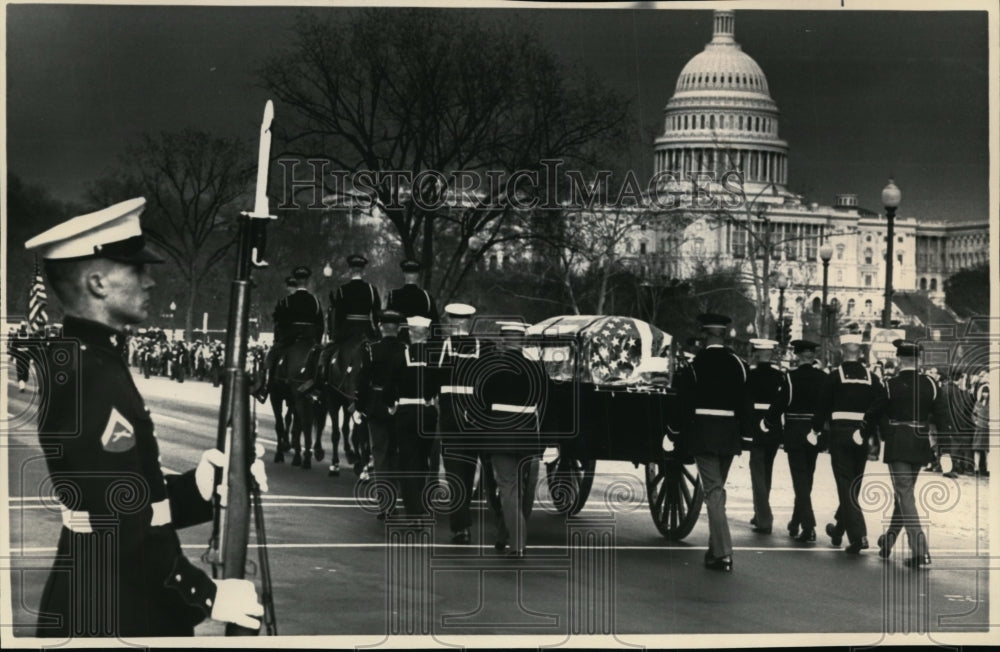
914 402
119 567
376 389
298 313
798 399
852 393
356 308
509 401
411 301
714 403
763 383
417 376
457 359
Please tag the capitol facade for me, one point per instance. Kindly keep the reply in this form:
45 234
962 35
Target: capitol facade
722 118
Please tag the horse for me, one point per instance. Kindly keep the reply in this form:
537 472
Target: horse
289 386
340 364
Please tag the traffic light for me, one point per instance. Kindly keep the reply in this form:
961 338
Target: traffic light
785 330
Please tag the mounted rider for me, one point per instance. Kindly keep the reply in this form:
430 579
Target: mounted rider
298 315
411 300
356 305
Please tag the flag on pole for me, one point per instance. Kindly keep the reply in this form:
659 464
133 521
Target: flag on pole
37 302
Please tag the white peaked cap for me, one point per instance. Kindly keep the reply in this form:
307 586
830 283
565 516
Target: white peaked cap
418 322
460 310
113 232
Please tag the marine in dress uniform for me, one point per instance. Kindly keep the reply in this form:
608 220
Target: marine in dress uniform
459 355
375 394
852 401
415 392
355 304
763 382
411 300
512 396
119 568
914 403
716 411
796 402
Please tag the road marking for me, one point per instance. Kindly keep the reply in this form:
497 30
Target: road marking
305 546
159 416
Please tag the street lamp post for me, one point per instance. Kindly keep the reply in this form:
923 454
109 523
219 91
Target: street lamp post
782 282
173 313
825 254
891 196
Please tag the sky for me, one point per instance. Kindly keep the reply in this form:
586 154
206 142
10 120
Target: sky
862 94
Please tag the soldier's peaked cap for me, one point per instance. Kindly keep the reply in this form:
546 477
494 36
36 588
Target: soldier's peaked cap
356 260
763 345
392 317
410 265
801 346
113 233
291 281
460 310
418 322
301 272
712 320
906 349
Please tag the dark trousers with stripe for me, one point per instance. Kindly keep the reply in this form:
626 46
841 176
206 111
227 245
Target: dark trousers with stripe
761 473
802 466
460 461
415 432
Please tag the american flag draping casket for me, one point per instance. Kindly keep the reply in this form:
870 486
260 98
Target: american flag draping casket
610 348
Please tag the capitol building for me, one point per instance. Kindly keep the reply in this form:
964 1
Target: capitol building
722 118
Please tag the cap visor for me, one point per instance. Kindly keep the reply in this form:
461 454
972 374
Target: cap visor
144 256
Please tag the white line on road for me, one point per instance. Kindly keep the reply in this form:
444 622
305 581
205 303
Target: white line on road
159 416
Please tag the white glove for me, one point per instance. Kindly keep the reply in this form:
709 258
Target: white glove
204 474
763 426
257 468
858 439
356 417
236 602
668 445
391 410
812 438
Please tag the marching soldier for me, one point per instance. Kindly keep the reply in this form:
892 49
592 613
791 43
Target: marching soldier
411 300
296 315
914 402
852 400
715 413
763 382
511 397
416 389
375 380
355 305
459 353
797 401
120 512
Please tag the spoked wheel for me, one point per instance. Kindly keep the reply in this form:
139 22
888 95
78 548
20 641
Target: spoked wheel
674 495
570 481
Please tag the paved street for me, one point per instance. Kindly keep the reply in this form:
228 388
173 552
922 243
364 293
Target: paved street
334 573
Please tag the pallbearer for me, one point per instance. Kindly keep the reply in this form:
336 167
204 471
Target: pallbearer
797 401
852 400
914 402
459 353
411 300
375 397
356 304
715 413
416 388
763 382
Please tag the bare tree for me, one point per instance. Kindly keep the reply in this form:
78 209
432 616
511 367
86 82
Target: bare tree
192 181
416 91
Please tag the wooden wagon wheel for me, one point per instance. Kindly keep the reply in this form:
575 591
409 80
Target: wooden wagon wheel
674 495
570 481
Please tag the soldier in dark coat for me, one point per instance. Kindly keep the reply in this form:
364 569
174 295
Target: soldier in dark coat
852 401
914 403
355 305
416 387
297 315
411 300
763 382
715 413
798 399
119 568
375 395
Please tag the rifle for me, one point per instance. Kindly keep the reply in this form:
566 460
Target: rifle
236 432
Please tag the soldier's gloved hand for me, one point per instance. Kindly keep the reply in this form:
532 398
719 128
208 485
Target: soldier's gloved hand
236 602
356 417
391 410
763 426
668 443
812 438
257 468
204 473
857 438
